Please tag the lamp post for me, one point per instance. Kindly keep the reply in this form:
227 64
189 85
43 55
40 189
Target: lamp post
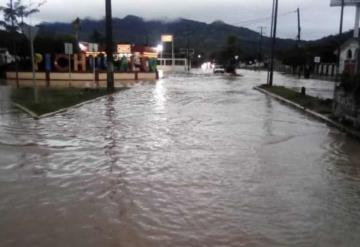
109 47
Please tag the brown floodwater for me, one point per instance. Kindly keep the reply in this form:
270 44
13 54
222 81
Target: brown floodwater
192 160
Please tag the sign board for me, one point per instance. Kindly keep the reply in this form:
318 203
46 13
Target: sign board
69 49
185 51
29 31
124 48
317 59
334 3
93 47
167 38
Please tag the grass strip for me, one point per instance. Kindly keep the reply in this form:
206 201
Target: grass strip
51 100
322 106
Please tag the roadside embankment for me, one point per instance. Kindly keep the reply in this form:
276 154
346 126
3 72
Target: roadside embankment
52 101
318 108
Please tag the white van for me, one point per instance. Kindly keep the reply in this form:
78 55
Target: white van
5 57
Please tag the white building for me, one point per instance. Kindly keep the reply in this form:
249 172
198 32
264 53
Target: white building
349 51
349 57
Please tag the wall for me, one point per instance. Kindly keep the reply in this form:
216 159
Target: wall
353 46
325 69
82 80
345 107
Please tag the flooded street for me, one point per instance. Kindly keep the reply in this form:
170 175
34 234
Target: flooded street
192 160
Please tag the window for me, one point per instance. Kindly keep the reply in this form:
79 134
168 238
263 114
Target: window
349 54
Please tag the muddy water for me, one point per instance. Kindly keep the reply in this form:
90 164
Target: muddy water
193 160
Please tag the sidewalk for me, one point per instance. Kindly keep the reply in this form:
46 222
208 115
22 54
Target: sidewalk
350 131
5 102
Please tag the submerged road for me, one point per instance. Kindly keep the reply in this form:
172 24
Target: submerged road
192 160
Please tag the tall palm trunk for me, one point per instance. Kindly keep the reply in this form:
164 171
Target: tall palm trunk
13 41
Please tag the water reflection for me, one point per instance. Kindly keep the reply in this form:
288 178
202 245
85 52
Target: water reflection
160 95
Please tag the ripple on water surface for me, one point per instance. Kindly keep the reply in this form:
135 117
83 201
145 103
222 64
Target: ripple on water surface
192 160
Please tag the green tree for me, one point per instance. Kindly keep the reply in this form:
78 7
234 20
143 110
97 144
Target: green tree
97 37
14 13
25 11
229 56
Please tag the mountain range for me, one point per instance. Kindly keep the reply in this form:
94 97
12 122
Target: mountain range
204 38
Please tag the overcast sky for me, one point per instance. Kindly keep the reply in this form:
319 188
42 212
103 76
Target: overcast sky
318 18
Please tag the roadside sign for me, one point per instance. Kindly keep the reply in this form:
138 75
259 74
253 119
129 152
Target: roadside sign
93 47
317 59
124 48
167 38
30 32
69 49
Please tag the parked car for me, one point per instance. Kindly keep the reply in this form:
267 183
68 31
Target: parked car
5 57
219 69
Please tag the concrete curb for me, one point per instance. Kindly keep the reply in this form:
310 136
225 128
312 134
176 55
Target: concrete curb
319 116
26 110
51 114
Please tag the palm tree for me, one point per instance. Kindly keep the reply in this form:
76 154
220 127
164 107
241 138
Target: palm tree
10 23
13 11
24 11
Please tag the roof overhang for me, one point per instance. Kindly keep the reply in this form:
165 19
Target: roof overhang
336 3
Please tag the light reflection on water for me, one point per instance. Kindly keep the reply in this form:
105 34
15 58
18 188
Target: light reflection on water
193 160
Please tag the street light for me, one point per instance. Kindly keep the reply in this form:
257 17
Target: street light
159 48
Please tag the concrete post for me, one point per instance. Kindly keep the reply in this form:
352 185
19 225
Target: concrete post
357 22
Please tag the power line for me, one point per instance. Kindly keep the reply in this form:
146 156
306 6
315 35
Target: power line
255 21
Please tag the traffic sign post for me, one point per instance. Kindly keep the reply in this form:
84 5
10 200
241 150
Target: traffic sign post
69 50
317 59
93 47
30 32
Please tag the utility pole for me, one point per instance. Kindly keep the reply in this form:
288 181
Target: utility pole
300 67
273 43
271 34
109 47
30 32
187 49
299 27
14 45
172 54
342 17
189 54
340 34
261 43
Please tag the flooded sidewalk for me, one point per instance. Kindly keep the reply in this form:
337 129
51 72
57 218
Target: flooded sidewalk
192 160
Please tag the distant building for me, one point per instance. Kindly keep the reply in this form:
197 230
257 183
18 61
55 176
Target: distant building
349 51
347 94
349 57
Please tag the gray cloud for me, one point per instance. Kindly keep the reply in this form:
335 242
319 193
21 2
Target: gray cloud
318 18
